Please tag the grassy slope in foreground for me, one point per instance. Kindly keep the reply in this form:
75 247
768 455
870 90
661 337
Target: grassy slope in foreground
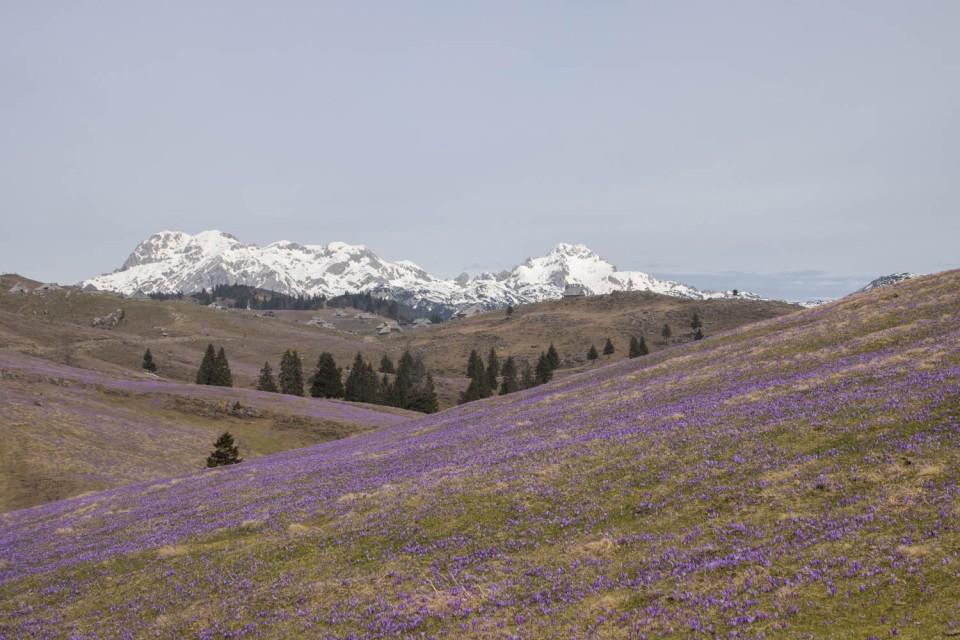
796 478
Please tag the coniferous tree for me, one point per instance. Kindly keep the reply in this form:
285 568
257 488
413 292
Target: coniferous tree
225 452
386 365
553 358
695 322
425 398
148 362
528 379
327 382
665 332
479 381
222 376
291 374
608 348
362 384
402 393
473 392
592 354
643 347
474 364
698 335
266 382
509 310
205 375
544 371
634 350
493 370
510 384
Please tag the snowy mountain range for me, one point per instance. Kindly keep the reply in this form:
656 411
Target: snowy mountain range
175 261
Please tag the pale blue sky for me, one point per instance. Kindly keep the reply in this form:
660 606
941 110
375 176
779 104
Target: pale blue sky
797 149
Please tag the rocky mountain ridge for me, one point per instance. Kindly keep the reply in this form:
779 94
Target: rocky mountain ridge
176 261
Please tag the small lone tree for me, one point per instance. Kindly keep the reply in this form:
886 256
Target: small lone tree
665 332
509 310
634 349
698 335
608 348
592 354
148 362
224 452
695 322
643 347
266 382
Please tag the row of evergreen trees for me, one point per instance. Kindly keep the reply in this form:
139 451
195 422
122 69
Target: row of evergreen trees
245 296
411 386
492 377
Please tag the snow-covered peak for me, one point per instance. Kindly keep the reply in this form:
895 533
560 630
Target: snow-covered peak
176 261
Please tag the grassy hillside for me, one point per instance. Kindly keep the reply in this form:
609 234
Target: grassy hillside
57 327
66 431
792 479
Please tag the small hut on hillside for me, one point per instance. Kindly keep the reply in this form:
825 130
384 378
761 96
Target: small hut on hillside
574 291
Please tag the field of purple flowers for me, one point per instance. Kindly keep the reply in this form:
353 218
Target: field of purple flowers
796 478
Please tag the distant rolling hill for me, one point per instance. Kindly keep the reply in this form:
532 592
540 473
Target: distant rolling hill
792 478
57 327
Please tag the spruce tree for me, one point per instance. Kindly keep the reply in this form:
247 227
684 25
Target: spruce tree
205 375
665 332
643 347
544 372
528 379
291 374
592 354
608 348
386 365
634 350
362 384
327 382
474 364
698 335
225 452
222 376
553 358
266 382
425 399
148 362
510 384
509 310
695 322
403 385
493 370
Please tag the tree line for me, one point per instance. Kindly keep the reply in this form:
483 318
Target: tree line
408 385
